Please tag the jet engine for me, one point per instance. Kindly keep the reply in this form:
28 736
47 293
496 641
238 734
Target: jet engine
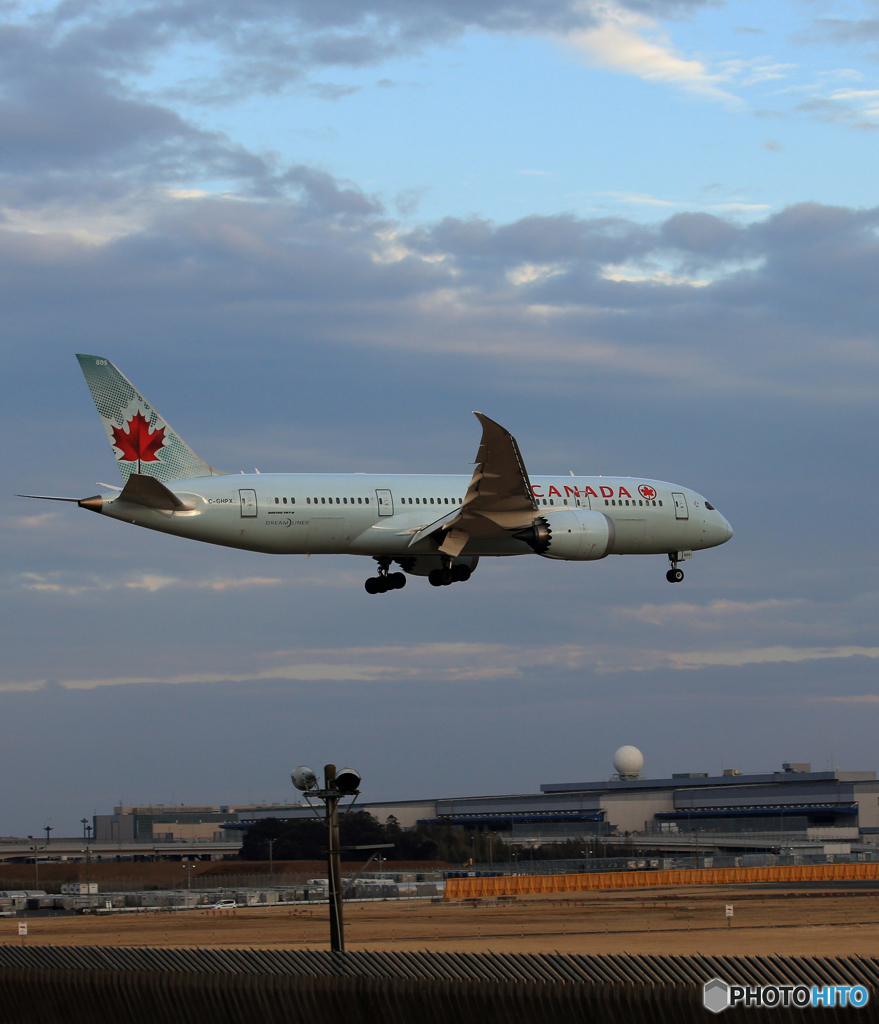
572 535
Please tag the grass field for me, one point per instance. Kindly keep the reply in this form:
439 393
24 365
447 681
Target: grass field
815 920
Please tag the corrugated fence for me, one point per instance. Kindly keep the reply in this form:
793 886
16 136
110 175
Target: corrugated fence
93 985
515 885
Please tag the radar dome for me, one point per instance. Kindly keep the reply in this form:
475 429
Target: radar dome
628 762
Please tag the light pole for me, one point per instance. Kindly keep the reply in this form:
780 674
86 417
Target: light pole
84 822
47 829
473 849
271 843
36 850
189 868
336 786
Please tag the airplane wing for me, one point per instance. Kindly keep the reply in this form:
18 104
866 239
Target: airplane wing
498 499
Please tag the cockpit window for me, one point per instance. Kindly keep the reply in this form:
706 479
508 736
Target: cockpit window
709 505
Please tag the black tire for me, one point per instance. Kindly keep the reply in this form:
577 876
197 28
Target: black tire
461 573
381 585
435 577
397 580
674 575
447 577
370 585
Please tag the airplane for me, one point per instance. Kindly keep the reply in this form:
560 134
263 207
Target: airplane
438 526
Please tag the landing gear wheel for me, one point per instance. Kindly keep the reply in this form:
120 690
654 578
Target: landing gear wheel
460 573
674 575
370 585
435 577
381 585
446 577
396 580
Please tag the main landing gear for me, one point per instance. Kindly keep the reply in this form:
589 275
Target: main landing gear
448 574
385 580
674 574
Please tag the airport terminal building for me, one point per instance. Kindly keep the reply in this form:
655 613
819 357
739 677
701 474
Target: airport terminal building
731 810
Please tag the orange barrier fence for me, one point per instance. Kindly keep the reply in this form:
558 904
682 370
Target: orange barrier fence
516 885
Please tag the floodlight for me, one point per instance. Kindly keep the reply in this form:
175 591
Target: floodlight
347 781
304 778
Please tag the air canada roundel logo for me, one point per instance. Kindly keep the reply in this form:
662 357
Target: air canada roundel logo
138 444
646 491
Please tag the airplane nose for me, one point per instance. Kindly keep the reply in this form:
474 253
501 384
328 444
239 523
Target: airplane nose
728 528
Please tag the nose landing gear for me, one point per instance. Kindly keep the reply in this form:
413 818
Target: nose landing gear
674 574
385 580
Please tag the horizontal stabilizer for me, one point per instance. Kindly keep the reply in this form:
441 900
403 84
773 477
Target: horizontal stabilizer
142 489
47 497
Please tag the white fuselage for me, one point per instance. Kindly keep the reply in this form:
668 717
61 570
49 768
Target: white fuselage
378 514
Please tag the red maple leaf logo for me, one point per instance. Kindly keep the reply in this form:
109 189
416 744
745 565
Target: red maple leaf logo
646 491
138 445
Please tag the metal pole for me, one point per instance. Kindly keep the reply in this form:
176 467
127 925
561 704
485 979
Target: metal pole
271 843
334 865
35 848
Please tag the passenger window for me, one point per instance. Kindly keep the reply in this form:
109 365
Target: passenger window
566 501
627 502
431 501
338 501
552 501
292 501
285 501
447 501
308 501
344 501
660 504
366 501
323 501
360 501
277 501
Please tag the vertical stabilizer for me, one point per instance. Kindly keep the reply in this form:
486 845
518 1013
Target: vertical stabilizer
142 440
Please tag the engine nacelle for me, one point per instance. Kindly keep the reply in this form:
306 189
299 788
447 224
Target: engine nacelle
573 535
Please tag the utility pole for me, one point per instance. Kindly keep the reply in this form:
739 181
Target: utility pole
334 860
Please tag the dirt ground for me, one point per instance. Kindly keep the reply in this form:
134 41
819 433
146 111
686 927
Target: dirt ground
813 921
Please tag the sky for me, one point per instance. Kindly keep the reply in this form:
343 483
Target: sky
641 236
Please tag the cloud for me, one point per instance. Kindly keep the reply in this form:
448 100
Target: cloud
768 656
62 583
619 41
674 301
472 663
718 610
